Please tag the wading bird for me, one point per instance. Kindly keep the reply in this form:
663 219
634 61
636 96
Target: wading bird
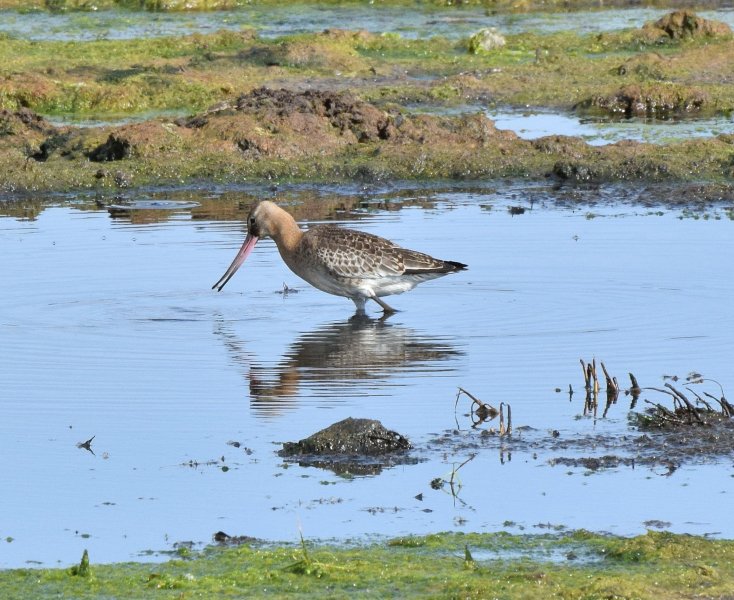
339 261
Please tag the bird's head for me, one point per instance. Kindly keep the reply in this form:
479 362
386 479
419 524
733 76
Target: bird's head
263 221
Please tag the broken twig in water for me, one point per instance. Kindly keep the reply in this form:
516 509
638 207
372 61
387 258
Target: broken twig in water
634 391
505 431
592 386
453 480
484 412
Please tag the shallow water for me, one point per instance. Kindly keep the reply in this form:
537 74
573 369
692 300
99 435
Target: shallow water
110 329
274 22
532 124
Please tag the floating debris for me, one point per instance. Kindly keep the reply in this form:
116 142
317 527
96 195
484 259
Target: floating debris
152 205
287 290
453 481
87 445
593 388
224 539
481 413
697 428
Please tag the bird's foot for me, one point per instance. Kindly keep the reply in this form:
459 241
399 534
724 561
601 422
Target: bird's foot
386 308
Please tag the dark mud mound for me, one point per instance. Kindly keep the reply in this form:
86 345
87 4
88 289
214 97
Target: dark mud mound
343 111
351 447
150 139
269 123
22 121
24 128
651 100
351 437
282 111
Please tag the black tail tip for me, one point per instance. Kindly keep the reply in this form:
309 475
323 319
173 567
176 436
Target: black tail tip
456 266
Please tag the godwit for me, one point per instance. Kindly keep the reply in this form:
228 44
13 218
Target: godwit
339 261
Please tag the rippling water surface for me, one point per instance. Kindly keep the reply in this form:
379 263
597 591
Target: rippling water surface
109 329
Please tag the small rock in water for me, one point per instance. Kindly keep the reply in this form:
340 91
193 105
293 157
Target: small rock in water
486 40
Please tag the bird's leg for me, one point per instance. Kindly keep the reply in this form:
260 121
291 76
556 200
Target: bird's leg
359 302
387 309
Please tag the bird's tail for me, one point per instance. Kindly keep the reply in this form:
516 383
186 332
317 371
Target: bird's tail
454 266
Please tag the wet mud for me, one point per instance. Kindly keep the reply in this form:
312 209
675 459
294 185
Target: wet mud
351 446
316 136
354 437
666 429
697 428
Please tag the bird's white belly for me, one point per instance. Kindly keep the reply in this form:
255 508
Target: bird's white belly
364 287
329 284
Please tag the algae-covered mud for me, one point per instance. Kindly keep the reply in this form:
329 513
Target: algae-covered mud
569 565
339 104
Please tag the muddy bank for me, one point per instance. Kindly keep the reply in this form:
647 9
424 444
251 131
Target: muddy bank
350 200
341 105
326 136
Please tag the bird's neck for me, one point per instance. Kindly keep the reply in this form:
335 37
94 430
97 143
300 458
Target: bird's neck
286 234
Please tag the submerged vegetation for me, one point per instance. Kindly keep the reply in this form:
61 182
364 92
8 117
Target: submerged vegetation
501 565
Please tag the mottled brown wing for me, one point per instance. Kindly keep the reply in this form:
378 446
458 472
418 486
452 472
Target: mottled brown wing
349 253
417 263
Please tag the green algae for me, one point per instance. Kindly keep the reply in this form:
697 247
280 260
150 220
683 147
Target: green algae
501 565
191 72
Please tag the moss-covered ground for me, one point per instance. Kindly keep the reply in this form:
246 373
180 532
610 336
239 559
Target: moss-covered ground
188 73
572 566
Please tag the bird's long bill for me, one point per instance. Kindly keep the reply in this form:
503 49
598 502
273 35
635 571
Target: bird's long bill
242 255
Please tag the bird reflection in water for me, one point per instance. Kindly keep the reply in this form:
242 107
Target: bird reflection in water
338 357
